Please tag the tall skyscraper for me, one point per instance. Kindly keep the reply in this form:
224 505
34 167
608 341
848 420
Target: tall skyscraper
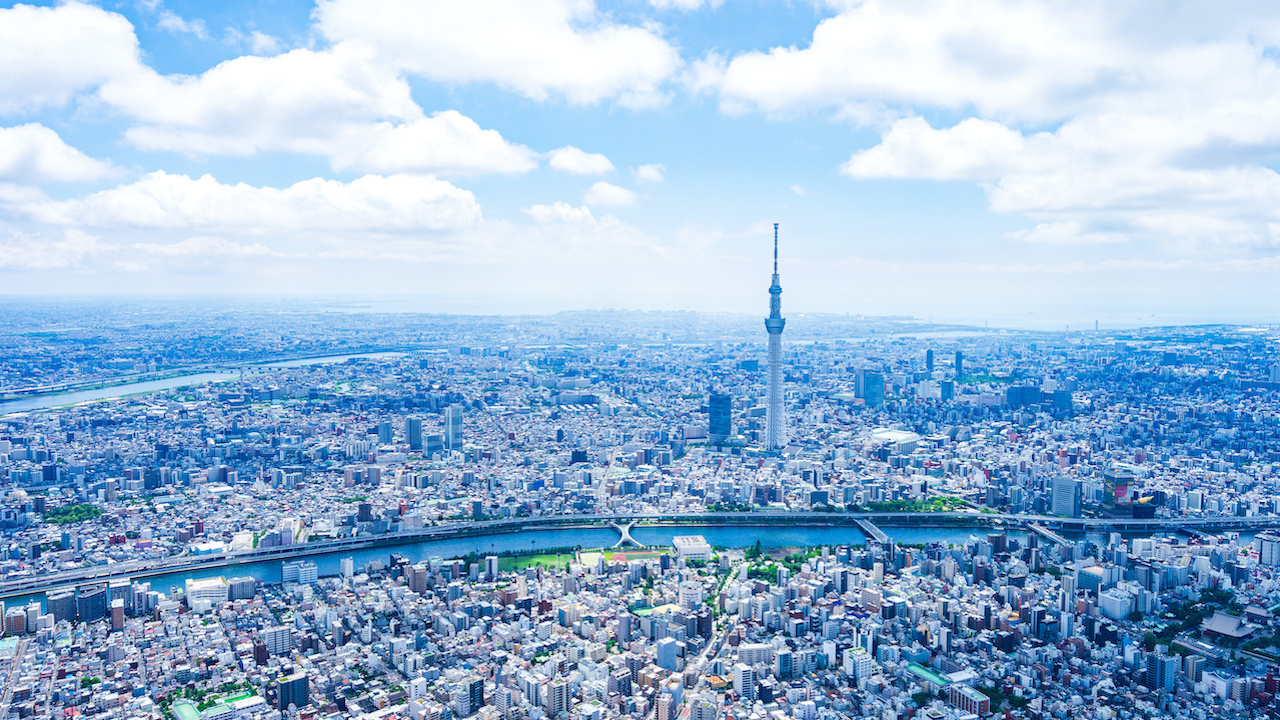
293 690
1162 671
959 364
413 430
777 431
453 427
744 681
721 413
1066 496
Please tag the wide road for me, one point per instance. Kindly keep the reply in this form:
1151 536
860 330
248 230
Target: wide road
144 568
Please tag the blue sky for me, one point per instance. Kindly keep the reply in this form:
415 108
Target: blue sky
1025 164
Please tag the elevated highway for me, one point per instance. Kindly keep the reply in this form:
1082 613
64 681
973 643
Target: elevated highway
1048 534
146 568
871 531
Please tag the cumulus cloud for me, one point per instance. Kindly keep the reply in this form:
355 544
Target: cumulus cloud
652 173
572 160
1005 58
47 54
537 48
33 153
447 142
603 193
297 101
338 103
972 150
1090 181
1088 119
394 204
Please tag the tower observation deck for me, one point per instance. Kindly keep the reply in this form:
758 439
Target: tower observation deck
777 422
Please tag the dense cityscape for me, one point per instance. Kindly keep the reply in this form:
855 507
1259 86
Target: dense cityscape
639 360
188 553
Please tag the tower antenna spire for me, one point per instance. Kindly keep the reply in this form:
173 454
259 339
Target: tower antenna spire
775 248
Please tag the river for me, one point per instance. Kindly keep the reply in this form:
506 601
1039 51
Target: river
62 399
330 563
587 538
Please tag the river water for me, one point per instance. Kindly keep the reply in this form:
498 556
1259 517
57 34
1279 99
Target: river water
52 400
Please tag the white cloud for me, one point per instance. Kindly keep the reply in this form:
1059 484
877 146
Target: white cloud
652 173
33 153
1005 58
603 193
297 101
972 150
1093 121
560 212
706 74
47 54
263 44
75 251
25 251
538 48
338 103
174 23
571 159
1093 180
447 142
370 204
685 5
198 255
798 190
206 247
1065 232
257 42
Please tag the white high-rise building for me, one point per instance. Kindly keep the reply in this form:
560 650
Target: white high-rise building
744 681
303 572
858 663
558 698
203 595
1267 545
777 422
1066 496
453 427
277 639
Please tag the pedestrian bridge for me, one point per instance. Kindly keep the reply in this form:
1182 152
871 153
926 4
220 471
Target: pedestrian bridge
624 527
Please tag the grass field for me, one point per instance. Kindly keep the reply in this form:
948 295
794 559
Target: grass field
627 556
520 562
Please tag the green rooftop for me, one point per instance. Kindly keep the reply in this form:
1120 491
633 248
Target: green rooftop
185 711
927 674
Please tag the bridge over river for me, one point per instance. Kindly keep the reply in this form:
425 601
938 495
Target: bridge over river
624 523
